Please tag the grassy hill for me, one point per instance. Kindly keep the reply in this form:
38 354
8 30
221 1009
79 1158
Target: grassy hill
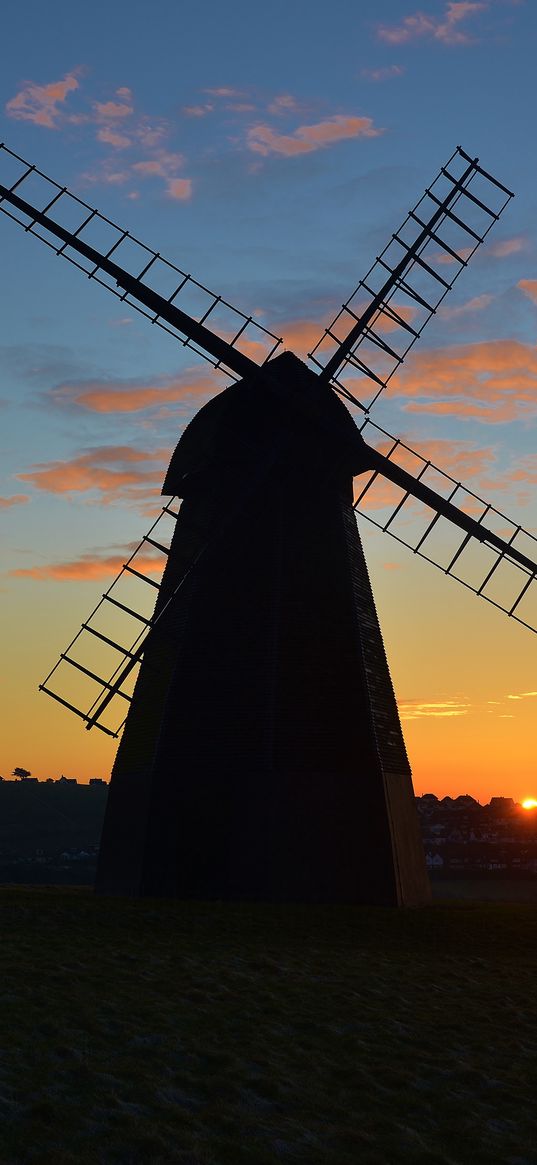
148 1032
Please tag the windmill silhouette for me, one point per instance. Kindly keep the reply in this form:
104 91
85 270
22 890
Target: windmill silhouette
262 755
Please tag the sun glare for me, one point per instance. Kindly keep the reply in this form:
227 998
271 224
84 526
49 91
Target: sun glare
529 803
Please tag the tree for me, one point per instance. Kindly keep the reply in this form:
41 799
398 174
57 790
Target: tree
22 774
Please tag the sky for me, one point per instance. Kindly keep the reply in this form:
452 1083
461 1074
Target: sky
271 151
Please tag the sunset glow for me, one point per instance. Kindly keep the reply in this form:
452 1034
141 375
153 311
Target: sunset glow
274 165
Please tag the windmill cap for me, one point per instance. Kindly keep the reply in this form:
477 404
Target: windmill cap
248 420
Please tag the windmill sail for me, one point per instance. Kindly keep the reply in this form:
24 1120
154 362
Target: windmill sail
405 287
401 493
425 509
265 627
133 272
378 325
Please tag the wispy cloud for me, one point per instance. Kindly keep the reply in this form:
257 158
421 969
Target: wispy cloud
165 164
461 459
197 110
302 335
114 110
507 247
421 709
478 303
264 140
284 103
384 73
118 126
225 91
112 137
110 472
529 288
87 568
444 258
132 396
500 250
491 382
14 500
421 25
42 104
521 695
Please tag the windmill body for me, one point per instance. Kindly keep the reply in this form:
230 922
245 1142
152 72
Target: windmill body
262 756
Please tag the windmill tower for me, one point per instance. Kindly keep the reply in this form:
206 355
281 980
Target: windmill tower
262 755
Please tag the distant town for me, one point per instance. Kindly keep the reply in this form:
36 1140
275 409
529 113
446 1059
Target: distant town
50 831
462 836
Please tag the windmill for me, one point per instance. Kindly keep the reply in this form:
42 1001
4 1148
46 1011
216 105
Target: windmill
262 755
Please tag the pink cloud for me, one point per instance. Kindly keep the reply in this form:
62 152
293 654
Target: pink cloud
497 251
507 247
112 138
14 500
197 110
180 188
382 74
478 303
411 28
529 288
264 140
460 459
493 382
111 471
165 165
87 568
116 126
282 104
447 30
106 397
112 110
162 165
301 336
150 135
42 104
516 481
445 258
224 91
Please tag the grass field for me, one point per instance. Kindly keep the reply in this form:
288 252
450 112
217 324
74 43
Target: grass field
149 1032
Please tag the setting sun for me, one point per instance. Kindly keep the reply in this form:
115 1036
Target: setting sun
529 803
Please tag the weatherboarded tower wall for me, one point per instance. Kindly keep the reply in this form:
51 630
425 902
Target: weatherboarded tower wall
263 756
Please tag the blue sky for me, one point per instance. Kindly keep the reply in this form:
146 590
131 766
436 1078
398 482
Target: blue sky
271 152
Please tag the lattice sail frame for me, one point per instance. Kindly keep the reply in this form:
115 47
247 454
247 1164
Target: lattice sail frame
52 214
114 634
489 572
481 567
362 354
405 286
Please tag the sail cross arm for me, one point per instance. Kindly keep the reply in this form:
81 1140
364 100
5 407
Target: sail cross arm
222 351
418 489
404 287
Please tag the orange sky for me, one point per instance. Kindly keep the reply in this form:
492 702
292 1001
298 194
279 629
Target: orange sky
276 181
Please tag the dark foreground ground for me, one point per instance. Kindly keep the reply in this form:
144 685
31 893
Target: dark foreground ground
149 1032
